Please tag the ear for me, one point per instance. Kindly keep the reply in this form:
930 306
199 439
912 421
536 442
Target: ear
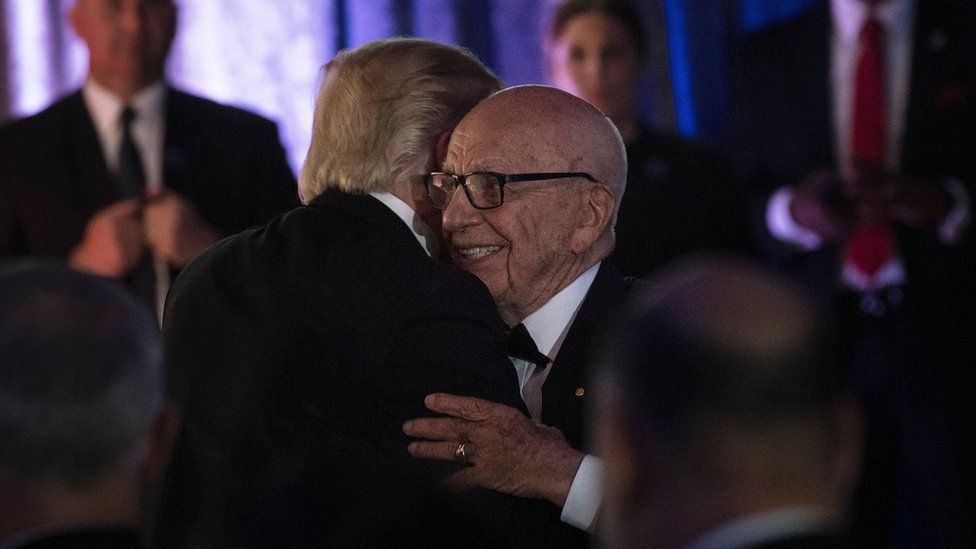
594 220
173 21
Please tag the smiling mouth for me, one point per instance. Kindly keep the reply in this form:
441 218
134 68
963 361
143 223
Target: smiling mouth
477 252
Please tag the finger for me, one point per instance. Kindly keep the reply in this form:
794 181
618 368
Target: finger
156 194
161 218
470 408
438 450
440 428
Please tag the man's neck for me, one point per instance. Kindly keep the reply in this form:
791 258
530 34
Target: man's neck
125 91
514 312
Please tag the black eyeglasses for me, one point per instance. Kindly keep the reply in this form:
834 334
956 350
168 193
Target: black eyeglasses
485 190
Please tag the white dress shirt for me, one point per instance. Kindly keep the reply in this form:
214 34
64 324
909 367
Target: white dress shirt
848 16
148 128
421 230
148 131
548 327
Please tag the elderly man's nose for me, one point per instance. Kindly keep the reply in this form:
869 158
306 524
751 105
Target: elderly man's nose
459 212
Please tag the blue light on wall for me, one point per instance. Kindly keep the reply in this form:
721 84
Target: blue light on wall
681 70
755 14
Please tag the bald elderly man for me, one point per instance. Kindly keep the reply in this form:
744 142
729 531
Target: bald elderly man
530 190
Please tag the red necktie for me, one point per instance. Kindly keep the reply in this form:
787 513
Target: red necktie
870 247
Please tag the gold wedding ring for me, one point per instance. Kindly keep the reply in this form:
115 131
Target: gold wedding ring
460 456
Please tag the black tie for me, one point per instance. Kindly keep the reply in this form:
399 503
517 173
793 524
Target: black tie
132 176
521 345
132 182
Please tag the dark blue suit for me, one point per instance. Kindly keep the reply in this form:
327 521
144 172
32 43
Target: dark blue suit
912 367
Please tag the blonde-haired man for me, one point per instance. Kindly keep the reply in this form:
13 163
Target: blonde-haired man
325 329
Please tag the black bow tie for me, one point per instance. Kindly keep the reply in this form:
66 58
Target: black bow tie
520 345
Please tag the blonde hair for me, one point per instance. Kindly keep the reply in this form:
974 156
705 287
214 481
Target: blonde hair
381 108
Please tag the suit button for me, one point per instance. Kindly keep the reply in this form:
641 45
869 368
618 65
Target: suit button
580 391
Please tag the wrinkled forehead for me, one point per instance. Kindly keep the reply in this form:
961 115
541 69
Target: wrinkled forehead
513 144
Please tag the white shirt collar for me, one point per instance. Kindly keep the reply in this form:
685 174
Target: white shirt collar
421 230
148 128
767 527
106 107
849 15
549 324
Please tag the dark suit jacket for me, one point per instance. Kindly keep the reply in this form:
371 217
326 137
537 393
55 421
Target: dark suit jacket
681 197
912 368
298 349
564 394
803 541
94 538
227 162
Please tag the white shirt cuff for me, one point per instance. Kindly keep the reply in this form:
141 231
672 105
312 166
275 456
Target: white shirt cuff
585 495
782 225
959 216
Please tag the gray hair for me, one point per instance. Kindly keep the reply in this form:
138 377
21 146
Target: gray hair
381 108
81 375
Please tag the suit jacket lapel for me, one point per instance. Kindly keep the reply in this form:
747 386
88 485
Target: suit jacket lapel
182 145
563 394
91 187
813 88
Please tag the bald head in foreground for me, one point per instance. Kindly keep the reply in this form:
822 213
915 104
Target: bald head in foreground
725 419
530 189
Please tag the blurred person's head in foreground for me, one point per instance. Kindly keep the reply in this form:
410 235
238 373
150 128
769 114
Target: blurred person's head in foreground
84 430
724 414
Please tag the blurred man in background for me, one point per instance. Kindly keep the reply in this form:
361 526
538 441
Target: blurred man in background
129 178
853 125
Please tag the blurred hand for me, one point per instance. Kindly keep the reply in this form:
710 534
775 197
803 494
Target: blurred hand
113 241
822 203
915 203
173 230
508 451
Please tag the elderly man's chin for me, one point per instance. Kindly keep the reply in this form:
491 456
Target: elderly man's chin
485 262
